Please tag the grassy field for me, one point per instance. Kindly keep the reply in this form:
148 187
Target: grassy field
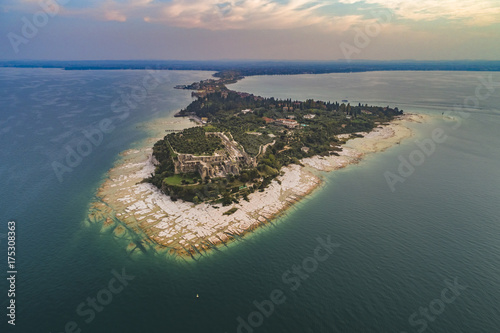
177 180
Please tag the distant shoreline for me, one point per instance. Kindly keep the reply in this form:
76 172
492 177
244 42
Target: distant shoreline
263 67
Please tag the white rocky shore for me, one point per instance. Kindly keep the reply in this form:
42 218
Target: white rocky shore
129 206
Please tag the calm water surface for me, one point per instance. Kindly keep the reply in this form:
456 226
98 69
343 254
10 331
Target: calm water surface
396 249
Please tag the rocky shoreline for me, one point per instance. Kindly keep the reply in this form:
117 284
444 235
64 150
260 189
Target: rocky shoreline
140 212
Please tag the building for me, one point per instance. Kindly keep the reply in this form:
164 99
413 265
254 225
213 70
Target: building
229 160
206 166
309 116
287 122
247 111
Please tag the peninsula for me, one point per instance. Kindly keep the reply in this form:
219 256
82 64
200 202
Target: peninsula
244 160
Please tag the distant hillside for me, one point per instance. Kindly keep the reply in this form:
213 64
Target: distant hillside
249 68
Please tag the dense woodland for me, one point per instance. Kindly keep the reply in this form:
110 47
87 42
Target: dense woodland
248 68
318 124
194 141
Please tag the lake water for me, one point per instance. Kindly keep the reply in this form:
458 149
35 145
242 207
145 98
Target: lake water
398 248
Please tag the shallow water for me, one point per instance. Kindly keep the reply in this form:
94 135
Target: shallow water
396 248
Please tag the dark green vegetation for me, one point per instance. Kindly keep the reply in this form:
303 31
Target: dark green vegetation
249 68
289 129
194 141
231 211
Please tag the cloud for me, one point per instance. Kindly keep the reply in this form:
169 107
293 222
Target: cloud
218 14
210 14
471 12
243 14
113 15
328 15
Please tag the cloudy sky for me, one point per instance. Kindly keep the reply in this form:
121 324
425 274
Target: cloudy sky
250 29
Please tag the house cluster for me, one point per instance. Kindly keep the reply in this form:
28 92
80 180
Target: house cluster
290 123
245 95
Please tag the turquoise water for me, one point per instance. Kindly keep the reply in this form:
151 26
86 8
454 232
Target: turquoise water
396 249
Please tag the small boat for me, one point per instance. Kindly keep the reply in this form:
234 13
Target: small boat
197 296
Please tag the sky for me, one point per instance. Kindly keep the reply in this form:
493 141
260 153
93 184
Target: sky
249 29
